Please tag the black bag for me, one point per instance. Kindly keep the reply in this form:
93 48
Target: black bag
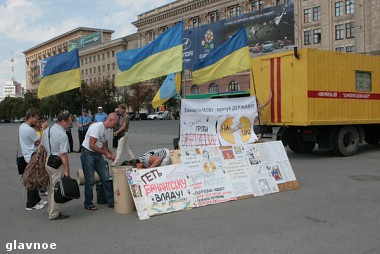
21 164
65 190
100 194
120 135
54 161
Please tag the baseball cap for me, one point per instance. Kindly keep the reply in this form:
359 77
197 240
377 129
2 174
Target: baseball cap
100 107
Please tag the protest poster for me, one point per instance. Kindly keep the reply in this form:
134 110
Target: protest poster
164 189
215 122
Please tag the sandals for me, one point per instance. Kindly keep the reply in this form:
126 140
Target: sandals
91 208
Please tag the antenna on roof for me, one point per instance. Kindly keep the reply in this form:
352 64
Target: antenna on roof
12 68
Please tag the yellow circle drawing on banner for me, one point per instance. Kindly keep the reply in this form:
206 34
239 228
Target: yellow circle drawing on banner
226 130
208 165
244 129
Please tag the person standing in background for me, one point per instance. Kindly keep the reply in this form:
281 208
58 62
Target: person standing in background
100 116
70 137
83 123
122 134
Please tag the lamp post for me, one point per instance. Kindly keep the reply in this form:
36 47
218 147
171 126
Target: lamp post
295 25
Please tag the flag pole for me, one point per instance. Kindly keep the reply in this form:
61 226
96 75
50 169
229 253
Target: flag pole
257 101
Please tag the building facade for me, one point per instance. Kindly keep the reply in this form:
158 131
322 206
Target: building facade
340 25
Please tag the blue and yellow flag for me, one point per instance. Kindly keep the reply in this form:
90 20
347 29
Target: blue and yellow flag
160 57
170 87
61 73
229 58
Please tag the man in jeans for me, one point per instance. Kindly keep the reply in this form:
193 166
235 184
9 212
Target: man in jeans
94 146
55 138
29 141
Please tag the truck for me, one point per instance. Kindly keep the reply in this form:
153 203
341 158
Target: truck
319 97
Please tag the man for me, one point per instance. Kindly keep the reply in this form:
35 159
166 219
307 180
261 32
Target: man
151 159
59 144
122 132
100 116
94 146
29 140
83 123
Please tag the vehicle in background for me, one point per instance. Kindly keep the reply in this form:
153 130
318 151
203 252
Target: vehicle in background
267 46
256 48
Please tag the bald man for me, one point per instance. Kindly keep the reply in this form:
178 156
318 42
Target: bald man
94 146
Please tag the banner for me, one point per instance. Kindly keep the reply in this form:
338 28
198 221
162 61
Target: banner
213 122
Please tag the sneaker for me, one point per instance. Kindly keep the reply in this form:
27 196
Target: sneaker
44 193
36 207
42 202
61 216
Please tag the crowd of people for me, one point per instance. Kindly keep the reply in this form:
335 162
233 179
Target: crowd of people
93 146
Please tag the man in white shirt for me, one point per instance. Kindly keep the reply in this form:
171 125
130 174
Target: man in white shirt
95 144
29 141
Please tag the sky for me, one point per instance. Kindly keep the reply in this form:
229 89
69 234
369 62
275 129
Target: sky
27 23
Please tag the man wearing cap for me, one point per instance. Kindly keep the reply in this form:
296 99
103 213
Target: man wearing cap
83 123
100 116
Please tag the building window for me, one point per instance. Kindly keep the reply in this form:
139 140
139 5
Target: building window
103 56
350 49
306 15
338 9
317 13
113 53
234 10
339 32
254 6
233 86
108 67
339 49
213 88
81 61
261 4
94 69
85 60
90 59
195 22
350 7
113 66
150 36
104 67
317 36
213 16
363 81
90 71
94 59
350 30
307 37
99 69
108 54
194 89
98 57
86 72
82 73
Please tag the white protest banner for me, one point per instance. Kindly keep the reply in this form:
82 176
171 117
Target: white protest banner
165 189
231 119
209 184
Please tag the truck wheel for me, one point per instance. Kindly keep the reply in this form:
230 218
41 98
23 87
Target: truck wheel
296 144
346 141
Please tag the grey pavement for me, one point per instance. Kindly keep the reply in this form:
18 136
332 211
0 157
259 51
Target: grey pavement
336 210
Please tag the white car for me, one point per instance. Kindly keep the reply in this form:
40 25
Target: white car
158 115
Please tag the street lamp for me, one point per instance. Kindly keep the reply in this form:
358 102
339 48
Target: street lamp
295 25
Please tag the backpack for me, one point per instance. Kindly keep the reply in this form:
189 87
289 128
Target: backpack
35 175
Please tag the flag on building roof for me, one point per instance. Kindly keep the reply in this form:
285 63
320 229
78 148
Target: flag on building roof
169 89
227 59
61 73
160 57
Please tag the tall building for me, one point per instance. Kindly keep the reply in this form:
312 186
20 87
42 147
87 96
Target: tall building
12 88
340 25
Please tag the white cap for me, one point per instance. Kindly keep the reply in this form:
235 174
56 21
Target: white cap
100 107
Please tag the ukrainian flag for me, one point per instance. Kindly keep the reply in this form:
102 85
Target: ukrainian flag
170 87
158 58
229 58
61 73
